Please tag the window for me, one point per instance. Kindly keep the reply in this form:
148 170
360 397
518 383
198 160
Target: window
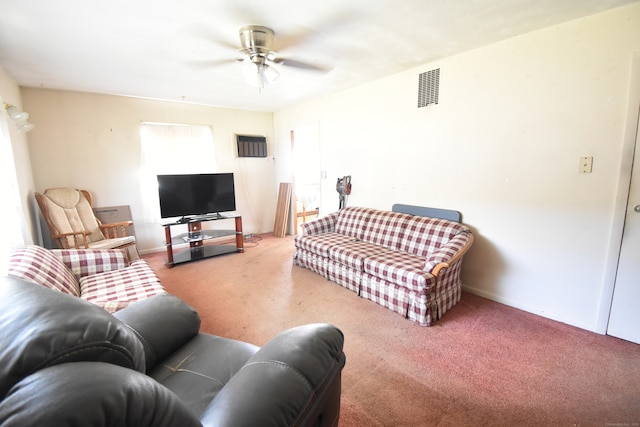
172 149
11 213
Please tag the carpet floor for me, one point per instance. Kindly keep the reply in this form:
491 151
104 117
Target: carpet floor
483 364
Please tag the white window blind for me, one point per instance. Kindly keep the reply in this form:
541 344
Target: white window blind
172 149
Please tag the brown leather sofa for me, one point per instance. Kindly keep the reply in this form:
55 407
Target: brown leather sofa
67 362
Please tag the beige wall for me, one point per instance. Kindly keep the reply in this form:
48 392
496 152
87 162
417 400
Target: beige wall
92 141
502 147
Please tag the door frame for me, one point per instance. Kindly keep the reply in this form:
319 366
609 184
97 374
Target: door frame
294 205
632 121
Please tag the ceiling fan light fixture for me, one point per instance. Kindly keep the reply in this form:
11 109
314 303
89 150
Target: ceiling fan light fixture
257 46
270 74
258 74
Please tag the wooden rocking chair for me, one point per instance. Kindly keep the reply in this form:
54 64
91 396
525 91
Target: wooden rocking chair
73 224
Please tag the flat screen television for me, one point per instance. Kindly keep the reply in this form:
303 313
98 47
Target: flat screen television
195 195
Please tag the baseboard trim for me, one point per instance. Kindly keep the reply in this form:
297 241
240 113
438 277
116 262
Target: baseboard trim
592 327
152 250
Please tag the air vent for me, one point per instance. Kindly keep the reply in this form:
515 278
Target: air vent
428 87
251 146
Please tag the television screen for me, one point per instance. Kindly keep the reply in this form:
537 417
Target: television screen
196 194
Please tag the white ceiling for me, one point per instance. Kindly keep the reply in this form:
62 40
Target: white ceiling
159 49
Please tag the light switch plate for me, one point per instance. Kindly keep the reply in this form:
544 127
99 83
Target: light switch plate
586 164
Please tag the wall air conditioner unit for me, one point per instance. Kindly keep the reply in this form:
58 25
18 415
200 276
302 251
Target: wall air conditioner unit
251 146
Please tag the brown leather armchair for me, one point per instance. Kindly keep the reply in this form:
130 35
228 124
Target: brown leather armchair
67 362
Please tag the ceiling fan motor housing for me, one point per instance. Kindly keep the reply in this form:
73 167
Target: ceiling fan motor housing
257 42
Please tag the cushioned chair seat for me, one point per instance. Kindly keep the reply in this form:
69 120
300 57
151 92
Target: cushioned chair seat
184 374
118 242
101 276
115 290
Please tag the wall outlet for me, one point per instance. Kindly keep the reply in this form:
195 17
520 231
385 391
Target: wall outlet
586 164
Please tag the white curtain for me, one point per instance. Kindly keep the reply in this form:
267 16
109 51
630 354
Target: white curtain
172 149
11 214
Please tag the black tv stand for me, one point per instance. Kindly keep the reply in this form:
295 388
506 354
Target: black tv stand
196 236
208 217
200 218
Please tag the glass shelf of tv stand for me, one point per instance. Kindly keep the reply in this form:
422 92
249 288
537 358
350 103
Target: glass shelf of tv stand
196 237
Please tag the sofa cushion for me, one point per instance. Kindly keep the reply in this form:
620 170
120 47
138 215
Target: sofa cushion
424 235
86 262
93 394
386 229
353 254
395 297
115 290
311 261
202 367
400 268
39 265
320 244
344 276
352 221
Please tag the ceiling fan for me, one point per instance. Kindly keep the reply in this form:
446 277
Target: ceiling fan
257 44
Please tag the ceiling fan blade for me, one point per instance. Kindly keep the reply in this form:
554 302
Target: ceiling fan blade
293 39
203 64
301 65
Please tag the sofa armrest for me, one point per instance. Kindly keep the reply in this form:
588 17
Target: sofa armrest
321 225
92 394
163 323
295 379
87 262
449 253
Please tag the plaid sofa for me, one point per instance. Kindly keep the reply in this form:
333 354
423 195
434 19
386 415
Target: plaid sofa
101 276
409 264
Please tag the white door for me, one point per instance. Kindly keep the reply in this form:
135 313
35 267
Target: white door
624 318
